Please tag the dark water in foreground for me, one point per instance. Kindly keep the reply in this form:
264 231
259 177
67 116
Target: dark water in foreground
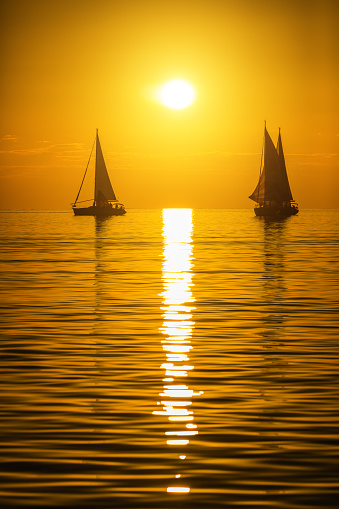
170 358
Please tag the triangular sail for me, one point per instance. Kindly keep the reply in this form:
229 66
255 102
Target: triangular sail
273 185
286 194
258 194
272 173
103 186
268 188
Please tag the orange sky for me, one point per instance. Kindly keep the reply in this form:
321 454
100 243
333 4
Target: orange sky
69 67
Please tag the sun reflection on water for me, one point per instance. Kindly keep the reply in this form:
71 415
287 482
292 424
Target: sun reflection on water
177 329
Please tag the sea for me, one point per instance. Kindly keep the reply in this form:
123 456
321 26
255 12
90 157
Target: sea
171 358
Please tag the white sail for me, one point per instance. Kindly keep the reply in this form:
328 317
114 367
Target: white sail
103 187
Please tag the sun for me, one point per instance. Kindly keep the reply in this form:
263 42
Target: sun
177 94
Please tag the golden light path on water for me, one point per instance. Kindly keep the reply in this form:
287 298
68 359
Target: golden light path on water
177 328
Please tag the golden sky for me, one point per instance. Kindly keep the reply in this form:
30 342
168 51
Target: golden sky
69 67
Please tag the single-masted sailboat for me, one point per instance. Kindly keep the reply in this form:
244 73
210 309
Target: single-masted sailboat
273 193
105 202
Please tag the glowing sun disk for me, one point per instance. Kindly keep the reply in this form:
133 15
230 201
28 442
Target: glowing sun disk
177 94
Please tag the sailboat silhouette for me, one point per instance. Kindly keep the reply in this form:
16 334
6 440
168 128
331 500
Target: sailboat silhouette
105 202
273 193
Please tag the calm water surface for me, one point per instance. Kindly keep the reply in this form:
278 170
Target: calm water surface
177 358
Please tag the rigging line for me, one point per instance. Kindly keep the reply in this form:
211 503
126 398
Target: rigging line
83 201
76 199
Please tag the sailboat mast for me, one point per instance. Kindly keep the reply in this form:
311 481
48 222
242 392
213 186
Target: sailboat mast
260 170
96 163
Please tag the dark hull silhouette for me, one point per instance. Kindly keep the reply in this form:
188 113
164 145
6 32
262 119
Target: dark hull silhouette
99 211
276 211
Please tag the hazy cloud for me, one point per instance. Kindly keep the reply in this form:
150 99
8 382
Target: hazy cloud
9 137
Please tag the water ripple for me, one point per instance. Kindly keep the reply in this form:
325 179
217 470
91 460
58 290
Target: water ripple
239 312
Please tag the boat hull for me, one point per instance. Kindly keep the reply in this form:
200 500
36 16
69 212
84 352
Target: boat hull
276 211
99 211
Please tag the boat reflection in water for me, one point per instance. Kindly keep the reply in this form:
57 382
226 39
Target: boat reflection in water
176 398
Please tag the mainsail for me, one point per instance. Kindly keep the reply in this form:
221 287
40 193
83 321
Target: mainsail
273 185
285 185
103 186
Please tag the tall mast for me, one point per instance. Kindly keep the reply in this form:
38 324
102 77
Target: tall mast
262 153
95 170
264 162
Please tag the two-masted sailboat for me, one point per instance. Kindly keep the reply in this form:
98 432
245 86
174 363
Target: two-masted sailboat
105 202
273 193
